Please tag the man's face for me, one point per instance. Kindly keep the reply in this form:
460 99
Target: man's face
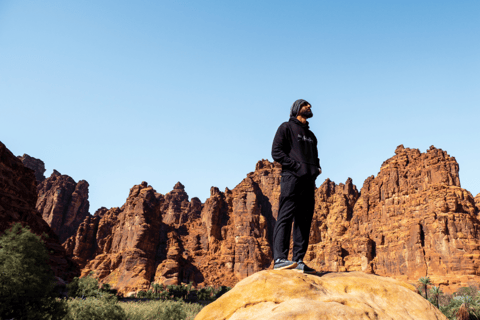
306 111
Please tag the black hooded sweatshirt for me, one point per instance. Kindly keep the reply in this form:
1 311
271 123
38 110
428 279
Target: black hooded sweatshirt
295 148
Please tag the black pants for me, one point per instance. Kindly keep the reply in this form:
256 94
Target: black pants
297 202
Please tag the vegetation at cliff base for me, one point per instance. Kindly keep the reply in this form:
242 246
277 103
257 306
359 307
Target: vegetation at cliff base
28 289
171 310
182 292
461 305
27 283
90 300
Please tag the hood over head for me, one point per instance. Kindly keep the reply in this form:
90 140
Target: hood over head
296 106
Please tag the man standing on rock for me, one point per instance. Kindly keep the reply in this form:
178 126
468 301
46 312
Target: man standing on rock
295 148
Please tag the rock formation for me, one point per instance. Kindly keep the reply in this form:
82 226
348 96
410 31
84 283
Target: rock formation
412 220
18 196
288 294
477 202
63 203
168 239
37 165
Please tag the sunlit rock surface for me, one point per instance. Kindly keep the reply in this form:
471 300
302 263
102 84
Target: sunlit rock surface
287 294
63 203
411 220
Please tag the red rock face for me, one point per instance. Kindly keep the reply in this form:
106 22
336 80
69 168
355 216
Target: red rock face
63 203
169 239
37 165
477 202
412 220
17 204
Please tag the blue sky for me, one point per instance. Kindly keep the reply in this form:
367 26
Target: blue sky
120 92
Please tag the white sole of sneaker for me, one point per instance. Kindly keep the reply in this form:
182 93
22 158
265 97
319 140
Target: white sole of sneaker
294 265
301 271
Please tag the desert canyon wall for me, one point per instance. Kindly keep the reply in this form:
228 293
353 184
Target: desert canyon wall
18 196
62 202
37 165
477 201
411 220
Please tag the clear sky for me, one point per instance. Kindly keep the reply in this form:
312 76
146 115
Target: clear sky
120 92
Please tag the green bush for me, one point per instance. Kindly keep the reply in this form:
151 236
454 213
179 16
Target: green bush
162 310
221 291
27 283
206 293
89 287
94 309
183 292
172 311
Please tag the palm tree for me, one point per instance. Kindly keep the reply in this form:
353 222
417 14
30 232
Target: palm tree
466 308
436 292
462 313
425 281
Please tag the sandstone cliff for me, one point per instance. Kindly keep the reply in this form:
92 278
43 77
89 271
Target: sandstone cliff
412 220
63 203
37 165
18 196
477 202
287 294
169 239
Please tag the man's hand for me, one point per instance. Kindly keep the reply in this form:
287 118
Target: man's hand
320 170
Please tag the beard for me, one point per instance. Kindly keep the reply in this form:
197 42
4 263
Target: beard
306 114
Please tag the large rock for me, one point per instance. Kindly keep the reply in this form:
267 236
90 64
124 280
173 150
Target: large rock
63 203
18 196
37 165
288 294
412 220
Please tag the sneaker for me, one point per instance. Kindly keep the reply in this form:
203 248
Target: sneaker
281 264
302 267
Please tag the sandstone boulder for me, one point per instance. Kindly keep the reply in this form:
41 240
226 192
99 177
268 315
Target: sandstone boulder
288 294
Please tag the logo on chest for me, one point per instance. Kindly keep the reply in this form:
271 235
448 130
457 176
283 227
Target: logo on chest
304 138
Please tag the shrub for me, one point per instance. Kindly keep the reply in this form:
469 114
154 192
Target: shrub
205 293
89 287
94 309
27 283
172 311
162 310
221 291
141 294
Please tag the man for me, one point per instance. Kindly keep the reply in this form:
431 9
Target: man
295 148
